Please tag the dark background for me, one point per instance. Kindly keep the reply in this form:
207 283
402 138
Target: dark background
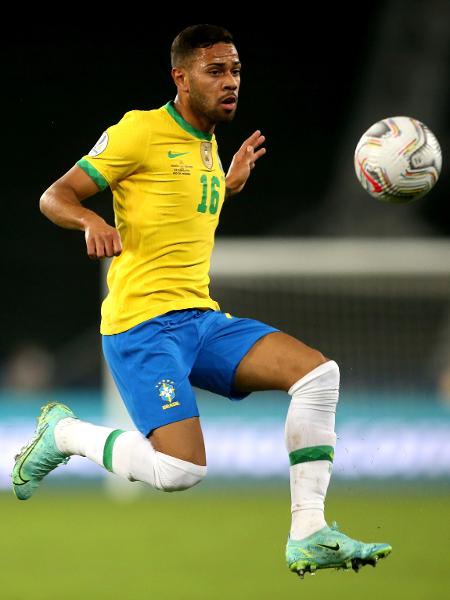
313 83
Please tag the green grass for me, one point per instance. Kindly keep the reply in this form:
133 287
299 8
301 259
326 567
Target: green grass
214 544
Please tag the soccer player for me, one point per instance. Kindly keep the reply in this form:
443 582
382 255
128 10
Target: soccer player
162 332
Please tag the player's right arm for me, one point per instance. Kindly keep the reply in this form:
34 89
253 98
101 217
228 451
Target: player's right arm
62 204
118 153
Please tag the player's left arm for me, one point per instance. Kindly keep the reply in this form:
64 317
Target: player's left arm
243 162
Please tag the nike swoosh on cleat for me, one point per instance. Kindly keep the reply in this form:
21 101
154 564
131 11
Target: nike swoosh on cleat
335 547
26 454
171 154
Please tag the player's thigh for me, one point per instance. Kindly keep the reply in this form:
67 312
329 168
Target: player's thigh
224 341
275 362
240 355
182 439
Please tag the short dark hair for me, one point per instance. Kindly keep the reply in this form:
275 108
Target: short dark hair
197 36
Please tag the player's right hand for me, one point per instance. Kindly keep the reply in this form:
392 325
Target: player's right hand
102 240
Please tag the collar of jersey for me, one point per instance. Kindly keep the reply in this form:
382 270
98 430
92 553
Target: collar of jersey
185 125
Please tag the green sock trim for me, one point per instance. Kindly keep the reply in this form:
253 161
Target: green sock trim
310 454
108 449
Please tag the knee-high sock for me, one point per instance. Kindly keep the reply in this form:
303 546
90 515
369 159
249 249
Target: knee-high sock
310 441
129 454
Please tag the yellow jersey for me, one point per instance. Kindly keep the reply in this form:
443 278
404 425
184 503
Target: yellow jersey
168 188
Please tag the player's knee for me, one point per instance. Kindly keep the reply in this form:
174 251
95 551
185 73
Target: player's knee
316 358
176 475
323 378
325 373
181 481
331 374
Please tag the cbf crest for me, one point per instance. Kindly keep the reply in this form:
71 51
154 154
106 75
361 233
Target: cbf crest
206 154
166 391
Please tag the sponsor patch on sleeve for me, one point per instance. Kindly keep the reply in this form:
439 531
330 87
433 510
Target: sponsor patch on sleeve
100 145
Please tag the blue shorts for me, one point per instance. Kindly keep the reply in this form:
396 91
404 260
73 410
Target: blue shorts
156 363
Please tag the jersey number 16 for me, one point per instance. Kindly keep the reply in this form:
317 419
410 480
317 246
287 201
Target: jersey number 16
213 196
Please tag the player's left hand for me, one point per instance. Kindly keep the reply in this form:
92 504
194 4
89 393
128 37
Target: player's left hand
243 162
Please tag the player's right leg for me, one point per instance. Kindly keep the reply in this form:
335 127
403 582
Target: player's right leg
129 454
151 369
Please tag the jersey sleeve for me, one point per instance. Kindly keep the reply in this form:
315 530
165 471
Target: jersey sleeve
118 153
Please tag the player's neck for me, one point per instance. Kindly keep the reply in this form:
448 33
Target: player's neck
198 122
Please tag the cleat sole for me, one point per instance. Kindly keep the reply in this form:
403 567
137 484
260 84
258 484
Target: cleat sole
357 563
301 568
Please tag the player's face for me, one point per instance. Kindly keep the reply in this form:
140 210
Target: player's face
214 79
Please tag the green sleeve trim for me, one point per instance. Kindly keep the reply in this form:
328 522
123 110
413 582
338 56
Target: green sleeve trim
93 173
311 454
108 448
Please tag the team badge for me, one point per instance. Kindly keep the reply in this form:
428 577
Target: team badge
166 391
100 145
206 153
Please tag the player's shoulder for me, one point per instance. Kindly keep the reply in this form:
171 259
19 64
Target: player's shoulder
138 116
136 125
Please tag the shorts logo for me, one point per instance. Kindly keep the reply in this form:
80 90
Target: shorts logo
166 391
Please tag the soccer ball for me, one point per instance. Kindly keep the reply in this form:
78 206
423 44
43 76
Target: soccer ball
398 160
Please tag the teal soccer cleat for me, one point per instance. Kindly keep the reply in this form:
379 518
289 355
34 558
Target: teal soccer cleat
40 455
328 549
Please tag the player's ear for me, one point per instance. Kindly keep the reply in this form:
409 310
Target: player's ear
181 79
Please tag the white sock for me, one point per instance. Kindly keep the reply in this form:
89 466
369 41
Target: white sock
74 436
310 441
129 454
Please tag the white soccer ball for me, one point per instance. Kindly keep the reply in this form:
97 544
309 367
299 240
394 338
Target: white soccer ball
398 160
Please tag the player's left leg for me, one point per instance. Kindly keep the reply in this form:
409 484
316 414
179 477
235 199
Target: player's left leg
239 356
279 361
